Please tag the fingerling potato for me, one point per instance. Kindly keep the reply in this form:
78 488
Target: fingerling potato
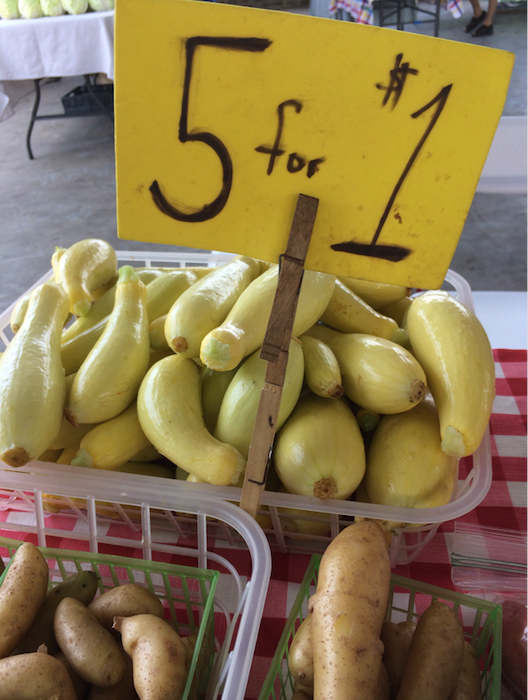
34 676
125 601
468 686
435 656
159 656
82 586
22 593
90 649
82 687
300 656
396 638
123 690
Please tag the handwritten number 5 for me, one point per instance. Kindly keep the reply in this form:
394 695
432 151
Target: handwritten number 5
208 211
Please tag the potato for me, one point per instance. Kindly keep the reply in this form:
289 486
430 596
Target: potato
190 644
435 656
302 694
348 609
300 664
300 656
124 601
396 638
383 687
123 690
21 594
90 649
82 586
468 685
159 656
82 687
34 676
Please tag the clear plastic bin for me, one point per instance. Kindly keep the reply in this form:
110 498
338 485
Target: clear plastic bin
151 518
474 481
482 622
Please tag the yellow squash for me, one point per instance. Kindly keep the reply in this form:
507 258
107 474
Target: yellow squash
319 451
98 312
406 466
378 295
157 334
84 267
109 378
348 313
170 414
205 306
98 315
303 522
378 375
116 441
398 310
238 410
244 328
214 387
321 368
166 289
453 348
19 311
32 380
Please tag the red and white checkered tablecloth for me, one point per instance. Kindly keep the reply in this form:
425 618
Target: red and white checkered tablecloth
503 507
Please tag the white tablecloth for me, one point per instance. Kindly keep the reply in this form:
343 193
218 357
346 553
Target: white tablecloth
52 47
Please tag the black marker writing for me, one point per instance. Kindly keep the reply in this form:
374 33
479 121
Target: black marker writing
296 162
391 252
208 211
398 76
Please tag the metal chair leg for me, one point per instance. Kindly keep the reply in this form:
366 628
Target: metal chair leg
33 117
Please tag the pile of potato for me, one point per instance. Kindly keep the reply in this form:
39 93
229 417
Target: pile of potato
345 648
65 643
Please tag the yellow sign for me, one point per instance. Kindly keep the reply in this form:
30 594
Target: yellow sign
225 114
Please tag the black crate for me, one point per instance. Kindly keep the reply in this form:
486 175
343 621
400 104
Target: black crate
81 101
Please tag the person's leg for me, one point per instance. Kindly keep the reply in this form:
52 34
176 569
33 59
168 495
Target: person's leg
486 27
478 16
492 6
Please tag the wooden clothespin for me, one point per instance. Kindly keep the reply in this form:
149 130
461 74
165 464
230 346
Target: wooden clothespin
275 350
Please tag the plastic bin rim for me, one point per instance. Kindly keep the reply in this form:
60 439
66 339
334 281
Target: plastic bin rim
175 495
116 561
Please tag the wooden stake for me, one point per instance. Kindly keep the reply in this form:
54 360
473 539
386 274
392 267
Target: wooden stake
275 350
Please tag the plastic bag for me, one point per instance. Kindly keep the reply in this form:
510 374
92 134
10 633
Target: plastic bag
490 563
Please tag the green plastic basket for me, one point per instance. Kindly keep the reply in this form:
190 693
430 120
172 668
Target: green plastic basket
187 595
482 623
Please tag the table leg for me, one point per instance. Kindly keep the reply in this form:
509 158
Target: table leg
33 117
399 24
97 100
381 18
437 18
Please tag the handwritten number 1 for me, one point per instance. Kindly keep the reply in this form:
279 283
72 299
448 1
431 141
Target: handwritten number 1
396 253
208 211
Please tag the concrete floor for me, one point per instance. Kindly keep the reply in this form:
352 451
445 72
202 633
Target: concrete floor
68 192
